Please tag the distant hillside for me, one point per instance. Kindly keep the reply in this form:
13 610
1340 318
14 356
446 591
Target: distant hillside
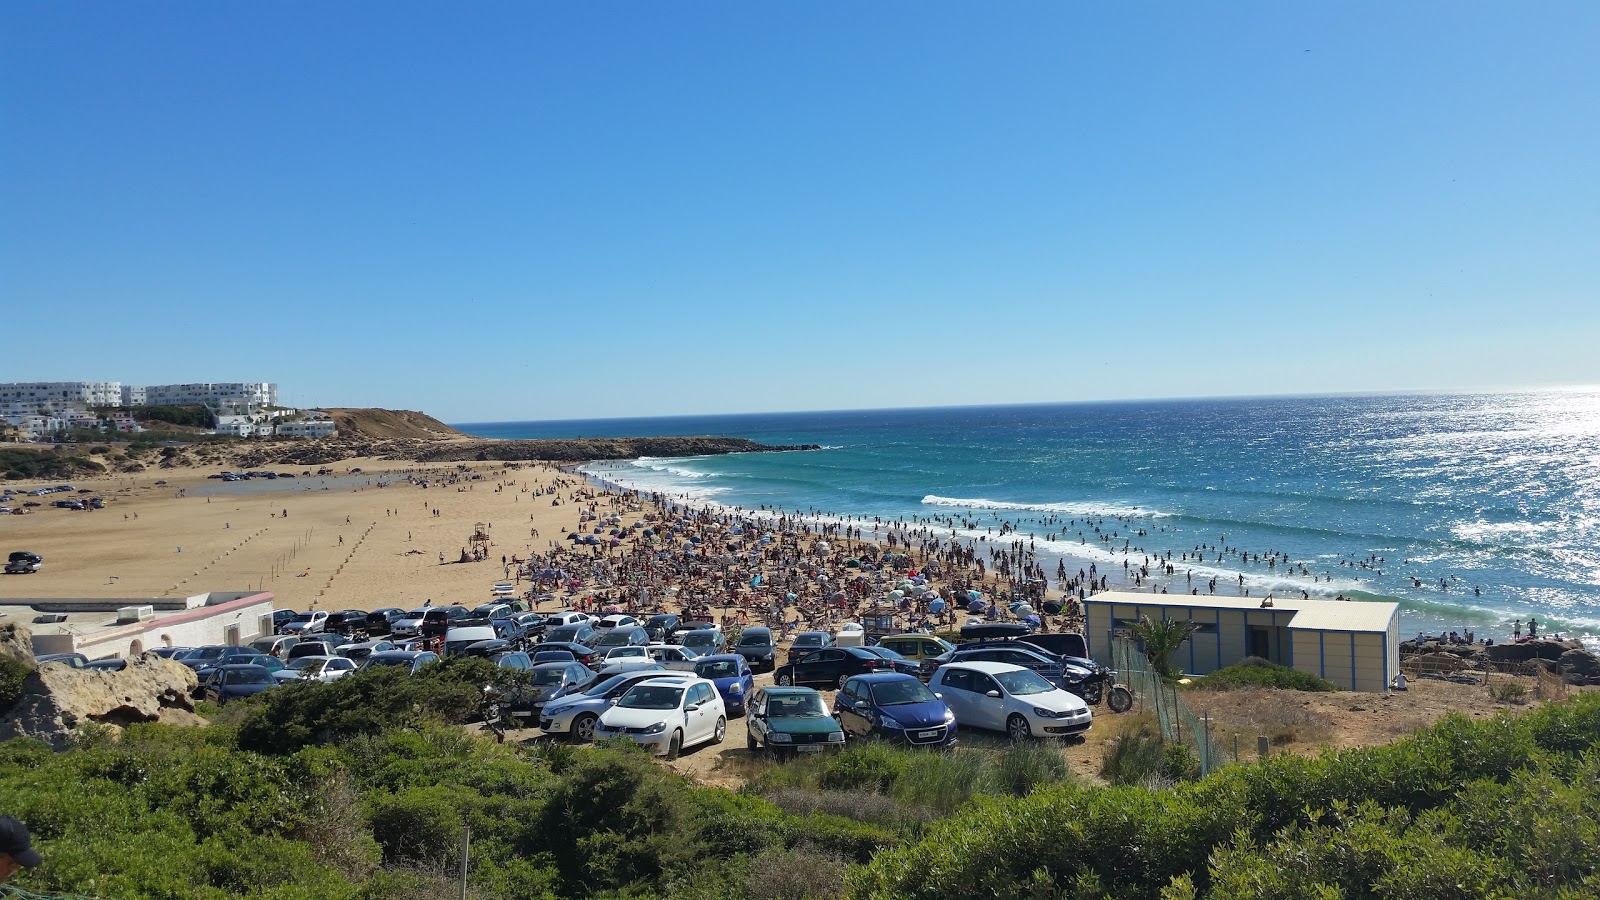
391 424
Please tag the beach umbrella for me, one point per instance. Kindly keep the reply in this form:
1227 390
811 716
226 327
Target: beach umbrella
615 542
896 595
823 546
975 606
852 563
838 596
755 580
1052 607
1032 620
694 539
918 579
936 606
974 595
574 537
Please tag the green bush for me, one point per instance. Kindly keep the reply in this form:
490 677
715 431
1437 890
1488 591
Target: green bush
1253 671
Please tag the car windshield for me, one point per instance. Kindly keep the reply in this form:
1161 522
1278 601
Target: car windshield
651 696
388 661
207 653
700 639
303 617
809 640
717 668
886 653
755 640
901 692
247 676
1025 682
546 676
801 706
306 662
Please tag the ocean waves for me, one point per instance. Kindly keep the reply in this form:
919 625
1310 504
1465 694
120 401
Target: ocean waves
1074 509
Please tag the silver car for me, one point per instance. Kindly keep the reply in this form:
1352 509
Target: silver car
575 714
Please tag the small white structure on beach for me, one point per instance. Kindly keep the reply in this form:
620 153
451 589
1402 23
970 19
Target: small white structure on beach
1354 644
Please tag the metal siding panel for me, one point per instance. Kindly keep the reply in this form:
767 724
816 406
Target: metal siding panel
1352 661
1322 654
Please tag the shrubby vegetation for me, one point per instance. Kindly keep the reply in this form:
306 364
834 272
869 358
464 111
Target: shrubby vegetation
34 465
1253 671
361 789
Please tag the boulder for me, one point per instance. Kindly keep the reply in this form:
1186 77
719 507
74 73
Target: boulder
1526 650
1439 661
1576 664
57 699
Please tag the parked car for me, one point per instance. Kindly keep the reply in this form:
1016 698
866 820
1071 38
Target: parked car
575 633
234 681
758 645
808 641
75 660
508 630
547 682
320 668
618 654
916 646
329 647
410 660
705 640
1008 652
381 621
1061 643
1013 699
665 716
730 674
438 620
306 622
624 636
674 656
408 625
789 720
459 639
897 662
358 653
280 618
831 666
172 653
275 645
533 624
492 611
661 626
581 652
345 621
1080 675
110 664
894 707
615 620
575 714
209 657
22 562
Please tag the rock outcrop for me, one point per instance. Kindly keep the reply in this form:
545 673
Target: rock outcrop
56 699
1569 659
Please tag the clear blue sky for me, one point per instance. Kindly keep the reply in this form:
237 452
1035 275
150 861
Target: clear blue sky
517 210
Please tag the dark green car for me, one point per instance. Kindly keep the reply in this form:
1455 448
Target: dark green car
791 720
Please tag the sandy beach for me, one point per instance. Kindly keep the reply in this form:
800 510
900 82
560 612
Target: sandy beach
370 535
349 546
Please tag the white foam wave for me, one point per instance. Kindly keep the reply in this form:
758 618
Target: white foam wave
1110 510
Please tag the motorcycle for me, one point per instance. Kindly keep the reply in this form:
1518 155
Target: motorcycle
494 713
1102 685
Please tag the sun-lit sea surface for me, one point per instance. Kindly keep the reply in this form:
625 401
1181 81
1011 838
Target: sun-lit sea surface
1498 492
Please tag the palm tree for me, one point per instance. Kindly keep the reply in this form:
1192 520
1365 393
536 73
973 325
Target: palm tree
1161 639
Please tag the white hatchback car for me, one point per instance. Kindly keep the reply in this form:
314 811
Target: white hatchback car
673 656
615 621
664 716
320 668
1004 697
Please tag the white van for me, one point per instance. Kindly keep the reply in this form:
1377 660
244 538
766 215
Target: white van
459 639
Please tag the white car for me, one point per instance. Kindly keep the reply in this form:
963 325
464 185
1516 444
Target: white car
410 626
320 668
666 715
358 653
674 656
567 617
306 622
850 634
575 715
1004 697
618 654
615 621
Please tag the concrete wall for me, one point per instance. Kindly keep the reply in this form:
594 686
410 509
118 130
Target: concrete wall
235 622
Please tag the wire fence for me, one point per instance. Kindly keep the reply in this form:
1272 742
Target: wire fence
1178 721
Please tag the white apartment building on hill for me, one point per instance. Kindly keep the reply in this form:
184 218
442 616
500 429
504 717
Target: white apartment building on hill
231 393
58 393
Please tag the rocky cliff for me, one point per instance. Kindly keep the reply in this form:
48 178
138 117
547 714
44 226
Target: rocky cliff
1569 659
55 700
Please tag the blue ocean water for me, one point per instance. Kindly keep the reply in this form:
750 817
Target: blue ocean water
1471 510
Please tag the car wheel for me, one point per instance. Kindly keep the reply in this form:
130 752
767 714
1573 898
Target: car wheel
721 730
1017 727
750 742
583 728
1121 699
842 680
786 679
674 744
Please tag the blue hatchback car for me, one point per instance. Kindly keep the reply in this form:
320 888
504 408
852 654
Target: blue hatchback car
730 672
894 707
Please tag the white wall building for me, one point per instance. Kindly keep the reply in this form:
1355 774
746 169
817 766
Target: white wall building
225 393
133 395
56 393
126 627
317 428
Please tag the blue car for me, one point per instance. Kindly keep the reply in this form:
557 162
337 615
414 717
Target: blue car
894 707
730 672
